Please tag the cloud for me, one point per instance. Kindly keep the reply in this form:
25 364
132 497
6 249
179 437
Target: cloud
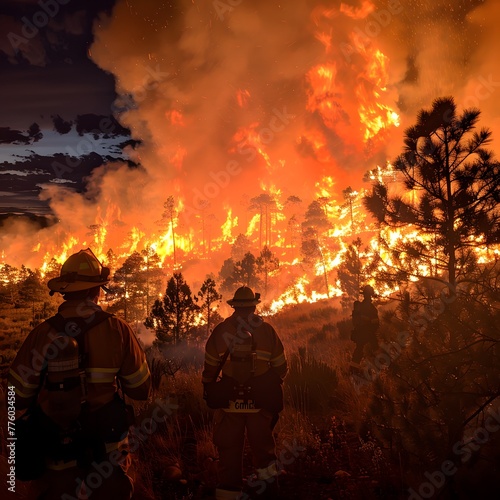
10 136
60 125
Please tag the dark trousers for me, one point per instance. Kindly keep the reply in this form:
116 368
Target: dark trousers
229 438
364 347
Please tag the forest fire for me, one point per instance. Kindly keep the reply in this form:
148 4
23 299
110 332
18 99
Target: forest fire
338 159
288 170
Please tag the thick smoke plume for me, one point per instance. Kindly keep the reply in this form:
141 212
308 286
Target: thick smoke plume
235 98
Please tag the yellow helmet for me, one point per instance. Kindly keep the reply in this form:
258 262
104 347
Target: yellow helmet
244 297
81 271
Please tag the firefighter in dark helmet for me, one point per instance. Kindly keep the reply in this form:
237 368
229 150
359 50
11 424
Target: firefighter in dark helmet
69 369
365 324
250 356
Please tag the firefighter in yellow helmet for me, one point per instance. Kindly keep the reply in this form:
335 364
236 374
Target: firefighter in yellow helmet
250 356
67 372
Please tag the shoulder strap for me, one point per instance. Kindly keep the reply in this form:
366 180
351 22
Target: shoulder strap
77 327
221 364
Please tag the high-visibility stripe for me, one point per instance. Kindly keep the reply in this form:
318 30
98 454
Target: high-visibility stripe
23 383
211 360
118 445
138 383
268 472
137 378
23 394
263 355
63 366
278 360
102 370
101 375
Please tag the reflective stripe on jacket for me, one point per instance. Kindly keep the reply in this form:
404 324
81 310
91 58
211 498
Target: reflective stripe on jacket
269 349
112 349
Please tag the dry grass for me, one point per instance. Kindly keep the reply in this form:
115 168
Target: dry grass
325 420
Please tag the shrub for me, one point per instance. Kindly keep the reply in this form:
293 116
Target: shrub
310 383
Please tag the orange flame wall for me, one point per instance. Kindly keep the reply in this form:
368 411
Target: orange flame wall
239 98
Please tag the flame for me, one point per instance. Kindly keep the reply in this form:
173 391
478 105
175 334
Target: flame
362 12
374 115
356 109
227 227
323 93
175 117
242 97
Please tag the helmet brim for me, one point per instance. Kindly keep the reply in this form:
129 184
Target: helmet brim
60 285
243 303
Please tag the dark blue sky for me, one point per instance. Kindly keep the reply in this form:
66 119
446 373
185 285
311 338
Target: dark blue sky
56 105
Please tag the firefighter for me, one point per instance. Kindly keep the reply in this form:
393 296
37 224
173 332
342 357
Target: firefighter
250 354
109 356
365 325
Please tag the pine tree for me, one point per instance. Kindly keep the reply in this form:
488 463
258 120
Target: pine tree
454 189
173 317
209 299
152 274
314 229
245 271
128 286
350 274
266 263
447 372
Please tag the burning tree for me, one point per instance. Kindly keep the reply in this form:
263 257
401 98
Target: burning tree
168 219
453 191
173 317
241 273
128 287
349 196
240 247
9 289
265 205
267 262
350 274
314 227
448 371
292 205
153 275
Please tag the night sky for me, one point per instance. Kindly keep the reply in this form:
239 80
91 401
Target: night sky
53 100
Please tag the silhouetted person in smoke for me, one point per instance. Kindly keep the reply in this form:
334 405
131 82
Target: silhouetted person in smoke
365 324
